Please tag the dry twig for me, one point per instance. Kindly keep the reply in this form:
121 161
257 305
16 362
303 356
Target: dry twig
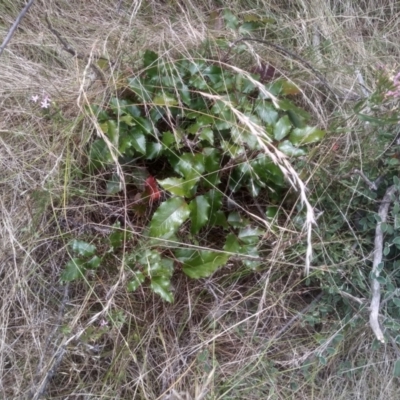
378 251
14 27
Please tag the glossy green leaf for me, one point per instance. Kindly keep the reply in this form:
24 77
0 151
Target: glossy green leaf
138 142
133 110
232 244
184 254
82 248
94 262
231 19
272 212
198 82
233 150
306 135
214 73
117 238
111 130
266 171
144 125
250 250
236 220
250 235
150 63
297 120
212 159
101 115
161 285
117 105
142 90
113 185
126 119
164 99
282 128
226 118
168 139
218 218
136 281
242 135
184 93
207 134
179 186
153 150
73 270
214 199
287 148
190 165
267 113
377 120
243 84
249 27
396 369
156 265
199 213
395 240
289 88
204 264
169 216
100 154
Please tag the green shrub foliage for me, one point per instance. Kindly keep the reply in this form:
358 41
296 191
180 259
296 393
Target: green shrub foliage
196 125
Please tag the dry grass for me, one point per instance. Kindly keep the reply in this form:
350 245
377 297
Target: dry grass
224 337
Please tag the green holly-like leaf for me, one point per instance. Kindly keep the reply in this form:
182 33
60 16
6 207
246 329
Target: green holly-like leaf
190 165
164 99
204 264
242 135
396 369
117 238
94 262
287 148
232 149
136 281
156 265
161 285
250 235
236 220
282 128
179 186
309 134
184 92
153 150
138 141
82 248
226 118
207 134
199 212
231 20
113 185
267 113
73 270
144 124
142 90
110 128
232 244
212 160
169 217
150 63
99 154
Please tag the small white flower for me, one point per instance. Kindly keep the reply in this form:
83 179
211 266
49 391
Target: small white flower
103 322
45 103
35 98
